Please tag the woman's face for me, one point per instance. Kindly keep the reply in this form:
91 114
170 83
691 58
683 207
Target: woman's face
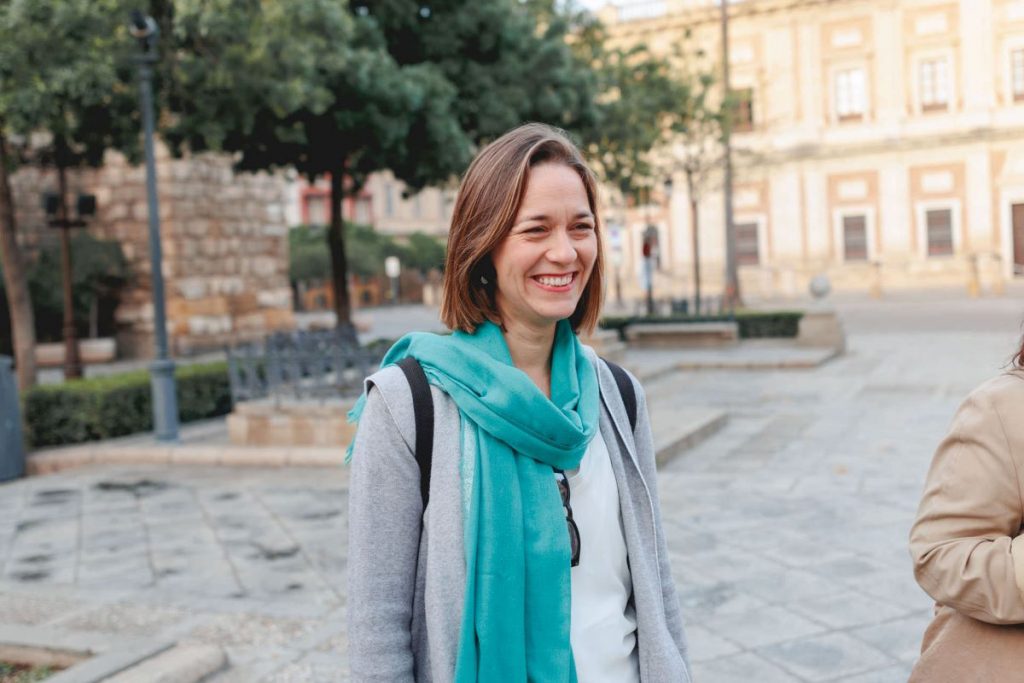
545 261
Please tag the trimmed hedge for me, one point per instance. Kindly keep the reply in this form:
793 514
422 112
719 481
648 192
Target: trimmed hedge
759 324
752 324
106 407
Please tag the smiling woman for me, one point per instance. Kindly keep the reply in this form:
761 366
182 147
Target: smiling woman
497 200
536 551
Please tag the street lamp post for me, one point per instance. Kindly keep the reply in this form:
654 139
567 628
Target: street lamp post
732 281
615 253
165 402
650 254
393 269
694 232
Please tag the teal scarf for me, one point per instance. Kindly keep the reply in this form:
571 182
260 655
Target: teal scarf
515 621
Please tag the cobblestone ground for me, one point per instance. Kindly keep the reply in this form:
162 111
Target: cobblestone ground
787 529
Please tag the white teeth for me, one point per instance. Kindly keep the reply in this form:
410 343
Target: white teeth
555 281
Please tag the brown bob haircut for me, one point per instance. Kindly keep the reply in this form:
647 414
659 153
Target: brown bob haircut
489 198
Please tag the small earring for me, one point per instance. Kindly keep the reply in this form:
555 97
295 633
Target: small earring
483 280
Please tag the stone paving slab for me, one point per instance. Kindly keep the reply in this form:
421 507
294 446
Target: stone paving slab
748 354
786 529
103 656
206 444
179 664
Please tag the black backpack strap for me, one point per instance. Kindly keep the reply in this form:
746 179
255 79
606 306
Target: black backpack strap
423 409
626 390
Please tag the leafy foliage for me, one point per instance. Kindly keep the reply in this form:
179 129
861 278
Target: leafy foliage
66 72
509 62
424 253
698 124
106 407
640 95
99 271
366 252
302 84
307 253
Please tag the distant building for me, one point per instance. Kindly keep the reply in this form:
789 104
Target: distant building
380 204
223 236
880 142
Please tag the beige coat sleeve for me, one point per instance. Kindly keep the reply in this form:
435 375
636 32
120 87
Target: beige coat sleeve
966 543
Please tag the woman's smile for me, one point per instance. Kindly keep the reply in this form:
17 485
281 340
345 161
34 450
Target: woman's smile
556 283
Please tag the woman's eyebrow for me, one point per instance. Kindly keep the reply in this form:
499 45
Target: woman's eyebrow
544 217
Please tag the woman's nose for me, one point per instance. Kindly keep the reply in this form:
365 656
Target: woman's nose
562 249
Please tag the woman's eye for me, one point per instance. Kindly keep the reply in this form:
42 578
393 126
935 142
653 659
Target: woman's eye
535 229
584 226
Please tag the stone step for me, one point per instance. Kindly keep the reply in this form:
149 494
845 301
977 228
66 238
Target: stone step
184 663
677 429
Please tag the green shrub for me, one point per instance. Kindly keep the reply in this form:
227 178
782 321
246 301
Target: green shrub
752 324
761 324
107 407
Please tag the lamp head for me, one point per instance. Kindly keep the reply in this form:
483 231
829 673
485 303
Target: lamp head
144 29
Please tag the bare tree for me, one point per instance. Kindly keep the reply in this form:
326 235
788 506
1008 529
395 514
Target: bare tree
696 146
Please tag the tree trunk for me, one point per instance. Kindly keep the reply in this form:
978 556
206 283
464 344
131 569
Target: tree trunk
72 364
339 264
23 325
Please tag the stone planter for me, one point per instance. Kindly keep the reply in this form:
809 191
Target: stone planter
90 351
291 423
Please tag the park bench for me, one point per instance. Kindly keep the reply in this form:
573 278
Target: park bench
295 388
683 334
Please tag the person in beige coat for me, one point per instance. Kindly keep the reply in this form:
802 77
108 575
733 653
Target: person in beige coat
967 542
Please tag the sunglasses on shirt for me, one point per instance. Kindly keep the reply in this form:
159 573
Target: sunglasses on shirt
574 531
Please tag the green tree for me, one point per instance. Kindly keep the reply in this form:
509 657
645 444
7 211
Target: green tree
423 252
696 130
639 98
98 273
307 254
343 90
510 62
66 86
303 84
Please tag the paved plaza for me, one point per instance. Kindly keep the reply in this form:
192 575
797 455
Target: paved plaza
787 528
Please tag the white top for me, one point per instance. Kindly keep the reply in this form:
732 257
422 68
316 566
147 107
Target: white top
603 620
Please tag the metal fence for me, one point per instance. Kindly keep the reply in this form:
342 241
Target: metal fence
300 365
705 307
12 446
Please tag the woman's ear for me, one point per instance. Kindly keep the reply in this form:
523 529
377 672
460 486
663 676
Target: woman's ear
484 275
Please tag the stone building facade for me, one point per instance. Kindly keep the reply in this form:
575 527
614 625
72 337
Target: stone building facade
381 204
880 142
224 242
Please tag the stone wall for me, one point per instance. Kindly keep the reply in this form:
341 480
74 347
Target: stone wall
223 236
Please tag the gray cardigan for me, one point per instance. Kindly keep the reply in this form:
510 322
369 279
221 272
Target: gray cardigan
406 581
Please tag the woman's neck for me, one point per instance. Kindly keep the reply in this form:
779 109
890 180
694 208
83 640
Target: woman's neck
530 349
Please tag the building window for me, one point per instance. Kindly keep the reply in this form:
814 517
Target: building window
317 209
417 206
933 78
851 94
855 238
364 211
743 112
389 199
747 244
939 224
1017 74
